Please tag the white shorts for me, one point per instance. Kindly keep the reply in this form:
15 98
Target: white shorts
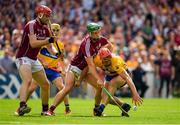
35 64
76 71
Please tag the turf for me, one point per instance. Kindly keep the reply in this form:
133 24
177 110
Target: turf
153 111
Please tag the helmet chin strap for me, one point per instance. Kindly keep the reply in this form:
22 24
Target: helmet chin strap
95 39
40 16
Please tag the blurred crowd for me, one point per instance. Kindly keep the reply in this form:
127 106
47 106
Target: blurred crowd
145 33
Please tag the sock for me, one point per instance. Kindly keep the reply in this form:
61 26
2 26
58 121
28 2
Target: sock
45 107
67 106
52 108
22 103
101 107
96 106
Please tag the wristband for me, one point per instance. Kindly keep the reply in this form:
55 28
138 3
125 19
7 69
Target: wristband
51 40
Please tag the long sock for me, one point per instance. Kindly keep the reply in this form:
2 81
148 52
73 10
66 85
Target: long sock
22 103
101 107
45 107
67 106
96 106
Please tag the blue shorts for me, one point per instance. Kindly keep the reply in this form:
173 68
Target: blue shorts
110 77
52 74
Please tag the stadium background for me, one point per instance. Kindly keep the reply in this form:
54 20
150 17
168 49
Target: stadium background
141 31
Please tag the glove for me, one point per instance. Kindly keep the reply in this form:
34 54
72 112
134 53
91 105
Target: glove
51 40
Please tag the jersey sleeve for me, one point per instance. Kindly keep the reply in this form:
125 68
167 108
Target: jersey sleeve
123 63
104 41
26 29
30 27
119 65
118 68
86 48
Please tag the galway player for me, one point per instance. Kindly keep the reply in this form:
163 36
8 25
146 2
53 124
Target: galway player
53 64
35 35
82 63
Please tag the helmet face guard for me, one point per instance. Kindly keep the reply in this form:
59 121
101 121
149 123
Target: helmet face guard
91 27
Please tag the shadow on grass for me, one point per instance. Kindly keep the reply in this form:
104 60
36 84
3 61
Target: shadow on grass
30 115
75 116
93 116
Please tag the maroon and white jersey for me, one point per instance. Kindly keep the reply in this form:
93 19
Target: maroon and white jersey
87 49
41 31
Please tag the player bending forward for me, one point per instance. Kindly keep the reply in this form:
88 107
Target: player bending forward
116 76
82 63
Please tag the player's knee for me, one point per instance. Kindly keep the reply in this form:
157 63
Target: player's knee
31 89
60 87
27 82
67 89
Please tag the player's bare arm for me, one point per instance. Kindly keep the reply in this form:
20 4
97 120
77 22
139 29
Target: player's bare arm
35 43
136 98
92 69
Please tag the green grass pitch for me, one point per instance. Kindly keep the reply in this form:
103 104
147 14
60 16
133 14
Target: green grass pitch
153 111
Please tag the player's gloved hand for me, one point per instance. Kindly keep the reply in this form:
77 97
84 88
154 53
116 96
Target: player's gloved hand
51 40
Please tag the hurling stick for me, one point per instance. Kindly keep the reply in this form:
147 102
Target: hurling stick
113 99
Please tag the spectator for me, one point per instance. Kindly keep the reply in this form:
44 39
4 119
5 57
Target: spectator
176 68
7 63
139 80
164 72
16 38
148 68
